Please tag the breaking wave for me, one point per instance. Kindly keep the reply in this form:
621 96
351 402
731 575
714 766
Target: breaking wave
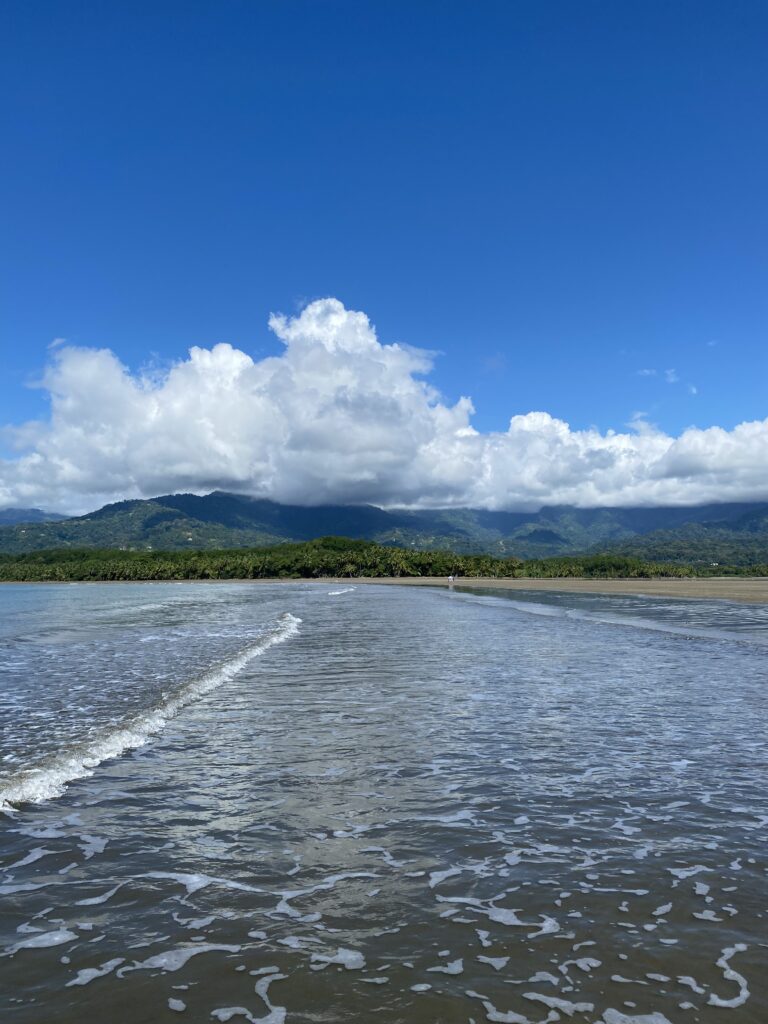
50 780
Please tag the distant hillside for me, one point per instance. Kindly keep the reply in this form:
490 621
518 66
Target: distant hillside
739 542
734 533
13 516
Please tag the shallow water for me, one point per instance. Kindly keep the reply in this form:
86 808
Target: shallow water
314 802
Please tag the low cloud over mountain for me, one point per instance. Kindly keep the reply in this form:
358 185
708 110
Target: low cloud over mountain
340 417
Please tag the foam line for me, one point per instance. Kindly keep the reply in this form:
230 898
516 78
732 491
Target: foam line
50 781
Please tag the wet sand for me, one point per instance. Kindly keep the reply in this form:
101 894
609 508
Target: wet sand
750 590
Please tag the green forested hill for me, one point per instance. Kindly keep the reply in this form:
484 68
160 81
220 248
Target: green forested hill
699 544
13 516
735 533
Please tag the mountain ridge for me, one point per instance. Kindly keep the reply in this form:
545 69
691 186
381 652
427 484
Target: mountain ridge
14 516
174 522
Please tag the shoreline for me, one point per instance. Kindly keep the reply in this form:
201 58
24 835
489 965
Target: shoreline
746 589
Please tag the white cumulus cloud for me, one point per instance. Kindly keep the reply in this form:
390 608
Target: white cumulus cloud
341 417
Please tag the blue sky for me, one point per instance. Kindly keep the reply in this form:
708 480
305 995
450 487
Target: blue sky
552 196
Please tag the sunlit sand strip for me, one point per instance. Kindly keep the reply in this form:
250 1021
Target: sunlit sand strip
750 590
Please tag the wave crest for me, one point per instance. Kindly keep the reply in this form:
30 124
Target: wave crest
50 780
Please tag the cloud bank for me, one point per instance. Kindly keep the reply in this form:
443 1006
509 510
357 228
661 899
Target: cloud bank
339 417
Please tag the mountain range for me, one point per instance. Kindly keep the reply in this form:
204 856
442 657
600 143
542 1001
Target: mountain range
13 516
734 534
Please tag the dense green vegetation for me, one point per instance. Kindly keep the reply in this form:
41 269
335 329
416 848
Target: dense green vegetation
14 516
700 545
316 559
732 534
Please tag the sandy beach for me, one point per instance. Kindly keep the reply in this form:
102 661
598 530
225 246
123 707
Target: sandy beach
750 590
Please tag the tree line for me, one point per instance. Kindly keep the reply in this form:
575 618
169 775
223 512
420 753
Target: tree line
317 559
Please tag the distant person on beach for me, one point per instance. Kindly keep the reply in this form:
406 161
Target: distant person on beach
450 581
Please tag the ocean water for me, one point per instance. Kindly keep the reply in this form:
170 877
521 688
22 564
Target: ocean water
327 803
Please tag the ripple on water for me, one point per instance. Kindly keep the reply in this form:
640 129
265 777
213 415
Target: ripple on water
340 828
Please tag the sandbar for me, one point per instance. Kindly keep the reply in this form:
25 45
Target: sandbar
747 589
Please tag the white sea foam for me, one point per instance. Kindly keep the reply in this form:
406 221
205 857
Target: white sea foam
584 963
502 915
612 1016
730 975
11 889
94 900
454 967
175 959
563 1005
436 877
682 873
29 859
540 976
687 980
193 883
226 1013
88 974
284 906
496 962
498 1016
46 783
44 940
277 1014
350 959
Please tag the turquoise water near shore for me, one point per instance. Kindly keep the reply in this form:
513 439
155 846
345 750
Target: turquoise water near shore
316 802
